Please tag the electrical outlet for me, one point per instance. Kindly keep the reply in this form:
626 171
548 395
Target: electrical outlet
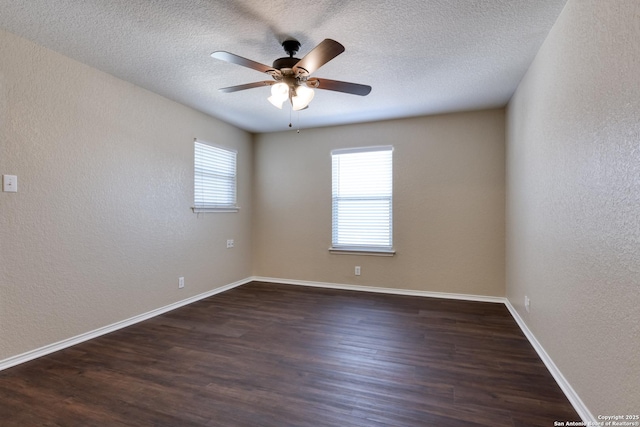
180 282
357 270
527 303
230 243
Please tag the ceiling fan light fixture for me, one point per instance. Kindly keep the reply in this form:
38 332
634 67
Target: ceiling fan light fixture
279 94
302 98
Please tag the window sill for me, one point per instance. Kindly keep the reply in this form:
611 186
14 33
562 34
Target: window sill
362 251
214 210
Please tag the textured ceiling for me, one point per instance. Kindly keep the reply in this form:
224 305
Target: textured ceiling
420 57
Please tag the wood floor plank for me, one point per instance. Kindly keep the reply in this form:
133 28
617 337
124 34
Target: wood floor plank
281 355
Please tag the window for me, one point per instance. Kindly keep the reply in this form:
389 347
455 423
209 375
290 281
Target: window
214 178
362 200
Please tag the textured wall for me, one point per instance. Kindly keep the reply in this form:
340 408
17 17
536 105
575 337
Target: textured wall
573 204
101 227
448 204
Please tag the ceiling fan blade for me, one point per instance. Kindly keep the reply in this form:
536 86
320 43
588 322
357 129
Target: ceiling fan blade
239 60
319 55
338 86
246 86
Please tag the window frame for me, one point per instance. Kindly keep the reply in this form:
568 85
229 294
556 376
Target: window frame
378 250
198 205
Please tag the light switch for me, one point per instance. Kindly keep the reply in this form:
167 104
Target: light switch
9 183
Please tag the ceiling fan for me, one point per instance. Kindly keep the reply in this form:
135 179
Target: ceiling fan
291 76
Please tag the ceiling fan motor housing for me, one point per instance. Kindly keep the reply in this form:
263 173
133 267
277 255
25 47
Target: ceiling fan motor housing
284 63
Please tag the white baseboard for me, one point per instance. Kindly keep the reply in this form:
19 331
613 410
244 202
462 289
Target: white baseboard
60 345
409 292
572 396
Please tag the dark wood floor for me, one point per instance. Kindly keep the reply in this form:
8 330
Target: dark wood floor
278 355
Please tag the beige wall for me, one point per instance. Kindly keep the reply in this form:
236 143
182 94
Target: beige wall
448 204
101 227
573 201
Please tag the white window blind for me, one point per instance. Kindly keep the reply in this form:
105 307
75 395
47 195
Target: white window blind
214 178
362 194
